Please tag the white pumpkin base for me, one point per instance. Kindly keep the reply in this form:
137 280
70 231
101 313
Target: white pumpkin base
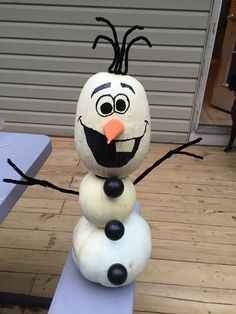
94 253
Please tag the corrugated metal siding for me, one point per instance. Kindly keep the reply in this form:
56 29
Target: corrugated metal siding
46 57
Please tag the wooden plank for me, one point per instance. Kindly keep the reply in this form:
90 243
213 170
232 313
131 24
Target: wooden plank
68 170
193 189
153 203
63 177
172 37
206 214
11 309
210 253
38 221
199 274
178 162
60 180
149 303
45 285
158 176
38 205
76 65
209 153
210 218
26 239
199 294
61 241
43 193
16 282
31 262
104 51
152 4
64 143
85 15
138 312
37 310
171 173
78 80
70 207
167 295
184 203
193 233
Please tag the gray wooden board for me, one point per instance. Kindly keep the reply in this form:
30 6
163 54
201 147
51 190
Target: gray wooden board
152 4
86 15
62 130
172 37
104 51
69 93
66 119
75 294
77 65
28 152
78 80
65 107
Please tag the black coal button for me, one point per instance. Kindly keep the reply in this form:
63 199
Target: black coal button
117 274
113 187
114 230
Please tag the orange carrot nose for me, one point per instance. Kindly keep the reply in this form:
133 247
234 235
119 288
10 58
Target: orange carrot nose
112 129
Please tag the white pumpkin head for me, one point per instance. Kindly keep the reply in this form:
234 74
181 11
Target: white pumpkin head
112 126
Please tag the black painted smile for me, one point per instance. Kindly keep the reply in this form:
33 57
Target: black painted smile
106 154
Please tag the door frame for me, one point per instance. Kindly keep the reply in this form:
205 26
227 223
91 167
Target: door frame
204 70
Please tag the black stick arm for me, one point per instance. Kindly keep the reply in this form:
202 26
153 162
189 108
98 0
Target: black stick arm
32 181
177 150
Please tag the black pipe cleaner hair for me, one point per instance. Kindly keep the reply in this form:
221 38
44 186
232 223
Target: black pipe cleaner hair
120 54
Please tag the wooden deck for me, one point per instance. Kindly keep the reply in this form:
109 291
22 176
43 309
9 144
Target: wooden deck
190 205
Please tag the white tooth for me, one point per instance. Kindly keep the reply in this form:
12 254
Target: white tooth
125 146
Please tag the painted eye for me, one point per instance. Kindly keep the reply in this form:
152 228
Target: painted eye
105 106
121 103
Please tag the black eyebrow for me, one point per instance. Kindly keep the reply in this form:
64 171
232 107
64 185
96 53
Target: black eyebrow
97 89
128 86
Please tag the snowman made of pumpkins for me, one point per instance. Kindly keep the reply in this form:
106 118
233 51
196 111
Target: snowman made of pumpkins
111 242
